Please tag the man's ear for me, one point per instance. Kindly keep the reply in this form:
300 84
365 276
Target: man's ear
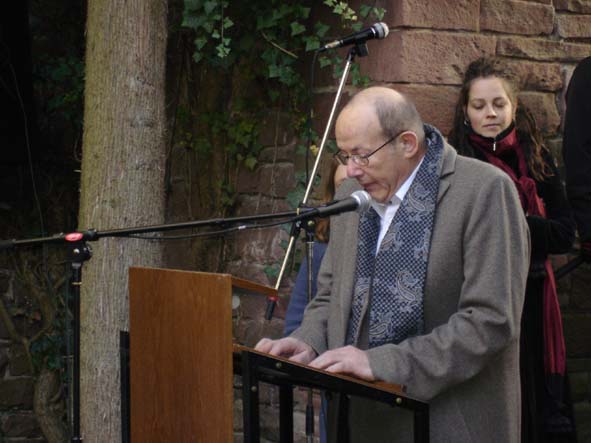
410 143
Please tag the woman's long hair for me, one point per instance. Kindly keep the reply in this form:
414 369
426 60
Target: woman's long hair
528 133
322 230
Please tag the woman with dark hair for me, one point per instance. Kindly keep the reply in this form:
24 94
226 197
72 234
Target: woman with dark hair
491 125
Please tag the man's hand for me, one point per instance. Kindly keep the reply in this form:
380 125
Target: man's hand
348 360
288 347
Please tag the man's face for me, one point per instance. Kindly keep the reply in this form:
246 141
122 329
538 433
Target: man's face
358 131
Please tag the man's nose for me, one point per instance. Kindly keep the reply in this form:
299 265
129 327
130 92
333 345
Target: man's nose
353 169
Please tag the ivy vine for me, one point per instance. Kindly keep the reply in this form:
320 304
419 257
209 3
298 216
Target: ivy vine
277 37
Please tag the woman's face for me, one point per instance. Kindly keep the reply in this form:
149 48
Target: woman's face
489 109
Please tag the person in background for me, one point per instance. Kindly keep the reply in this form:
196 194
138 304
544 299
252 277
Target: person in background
576 151
402 296
491 125
299 295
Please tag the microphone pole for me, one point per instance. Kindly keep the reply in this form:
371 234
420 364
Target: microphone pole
359 49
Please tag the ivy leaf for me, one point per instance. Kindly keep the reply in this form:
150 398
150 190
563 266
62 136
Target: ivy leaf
264 23
271 271
192 5
215 34
250 163
305 12
190 21
321 29
312 43
208 26
297 28
200 42
274 71
379 13
295 197
197 56
357 26
222 50
364 10
208 7
228 23
324 62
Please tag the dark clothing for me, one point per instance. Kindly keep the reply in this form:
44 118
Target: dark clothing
545 417
576 149
299 294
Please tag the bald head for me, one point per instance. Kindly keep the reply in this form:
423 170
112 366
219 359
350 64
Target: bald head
395 112
382 132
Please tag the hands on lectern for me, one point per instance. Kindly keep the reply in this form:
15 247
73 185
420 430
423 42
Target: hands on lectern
296 350
347 360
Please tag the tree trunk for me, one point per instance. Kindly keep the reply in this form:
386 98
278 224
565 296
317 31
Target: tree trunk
121 186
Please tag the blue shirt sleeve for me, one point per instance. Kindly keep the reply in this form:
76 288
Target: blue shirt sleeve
299 295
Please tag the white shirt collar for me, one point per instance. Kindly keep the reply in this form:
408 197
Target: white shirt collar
398 196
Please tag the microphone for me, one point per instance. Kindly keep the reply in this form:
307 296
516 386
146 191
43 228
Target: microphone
377 30
358 201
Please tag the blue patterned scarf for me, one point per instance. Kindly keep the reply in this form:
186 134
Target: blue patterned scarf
392 282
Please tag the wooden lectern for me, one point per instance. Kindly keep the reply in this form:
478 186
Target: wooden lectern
181 362
180 338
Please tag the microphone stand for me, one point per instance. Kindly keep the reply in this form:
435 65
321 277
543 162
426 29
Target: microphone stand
310 228
80 252
360 49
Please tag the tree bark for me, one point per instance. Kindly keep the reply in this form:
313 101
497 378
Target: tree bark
121 186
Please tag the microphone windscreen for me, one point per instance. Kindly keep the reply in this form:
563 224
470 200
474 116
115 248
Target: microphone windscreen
381 29
364 200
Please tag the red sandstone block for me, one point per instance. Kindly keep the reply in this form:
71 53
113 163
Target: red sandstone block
323 104
516 17
436 104
543 106
426 56
542 49
537 75
583 6
442 14
277 180
573 26
545 2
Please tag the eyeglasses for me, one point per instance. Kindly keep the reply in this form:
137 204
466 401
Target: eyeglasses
362 160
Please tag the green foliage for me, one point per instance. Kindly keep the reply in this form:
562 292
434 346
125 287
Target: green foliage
295 197
47 351
270 40
61 81
271 271
276 31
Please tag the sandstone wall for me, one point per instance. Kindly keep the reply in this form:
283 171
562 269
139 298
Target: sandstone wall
430 44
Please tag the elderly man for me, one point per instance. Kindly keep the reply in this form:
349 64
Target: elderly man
426 288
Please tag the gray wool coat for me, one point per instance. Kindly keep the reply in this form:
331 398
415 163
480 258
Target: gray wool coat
466 364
